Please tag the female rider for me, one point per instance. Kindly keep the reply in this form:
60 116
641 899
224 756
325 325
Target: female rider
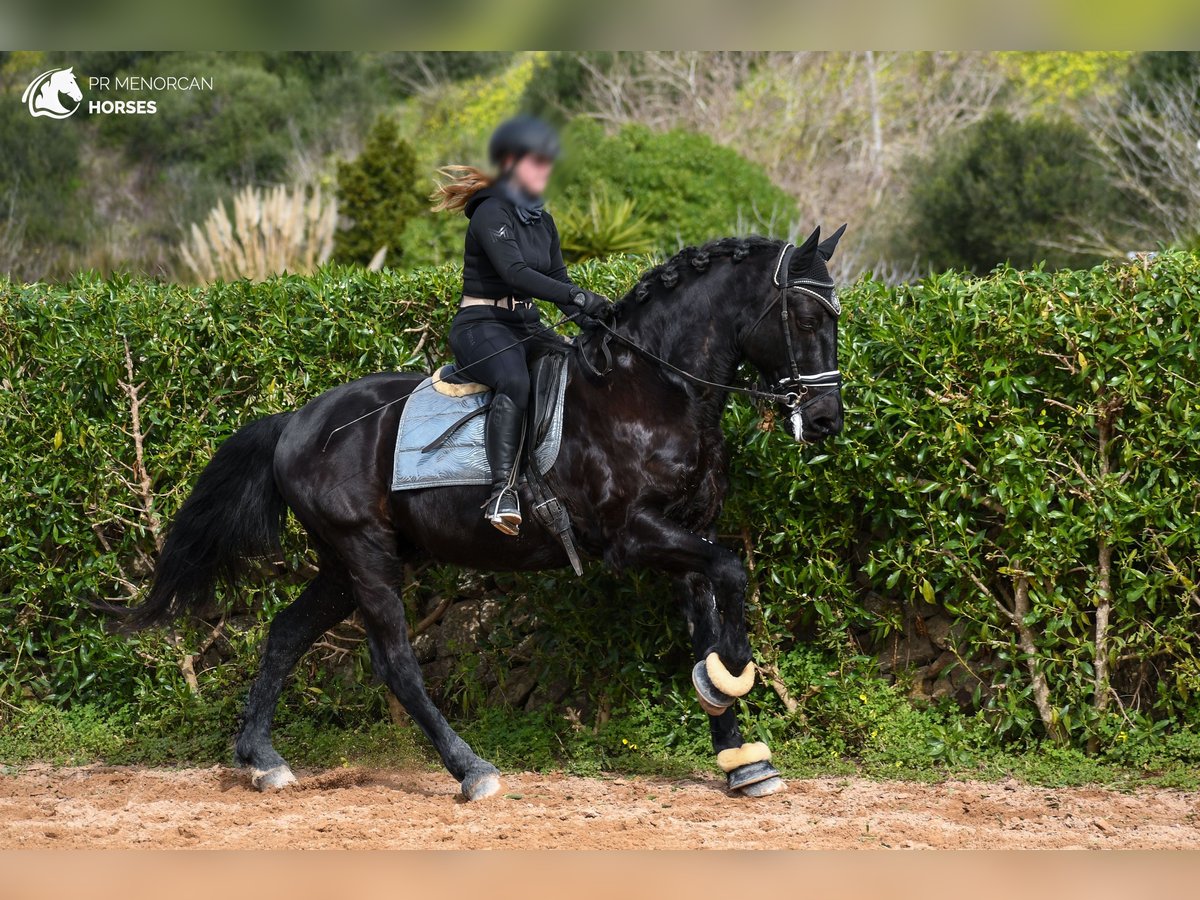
512 256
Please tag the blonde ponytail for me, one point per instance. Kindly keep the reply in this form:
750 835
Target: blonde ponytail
461 183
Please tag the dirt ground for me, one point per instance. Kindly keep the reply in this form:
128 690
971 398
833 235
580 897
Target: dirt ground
100 806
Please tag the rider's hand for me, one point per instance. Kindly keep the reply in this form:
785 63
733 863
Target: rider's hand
595 306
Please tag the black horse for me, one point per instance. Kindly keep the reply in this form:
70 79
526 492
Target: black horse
641 470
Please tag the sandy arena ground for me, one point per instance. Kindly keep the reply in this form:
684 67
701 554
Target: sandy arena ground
102 806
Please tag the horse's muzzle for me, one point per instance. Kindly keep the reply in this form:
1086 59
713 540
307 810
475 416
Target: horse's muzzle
816 423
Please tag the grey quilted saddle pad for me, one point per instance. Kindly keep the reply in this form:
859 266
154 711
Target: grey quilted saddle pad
433 407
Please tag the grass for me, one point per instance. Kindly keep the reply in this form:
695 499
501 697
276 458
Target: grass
635 741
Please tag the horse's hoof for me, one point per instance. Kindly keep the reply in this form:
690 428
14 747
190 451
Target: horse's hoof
732 758
712 701
272 779
765 788
480 785
751 774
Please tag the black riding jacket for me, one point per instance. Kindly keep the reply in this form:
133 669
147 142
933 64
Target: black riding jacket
505 256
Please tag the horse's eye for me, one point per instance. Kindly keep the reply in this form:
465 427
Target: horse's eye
806 324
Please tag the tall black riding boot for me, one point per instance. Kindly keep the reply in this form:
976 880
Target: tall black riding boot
502 439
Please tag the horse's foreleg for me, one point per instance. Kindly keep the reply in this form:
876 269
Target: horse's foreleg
656 542
747 766
325 601
716 581
704 627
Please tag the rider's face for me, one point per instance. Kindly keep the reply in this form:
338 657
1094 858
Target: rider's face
532 173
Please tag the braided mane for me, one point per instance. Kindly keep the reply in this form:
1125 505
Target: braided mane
666 275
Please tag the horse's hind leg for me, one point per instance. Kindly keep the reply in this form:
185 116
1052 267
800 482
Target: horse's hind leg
375 567
326 600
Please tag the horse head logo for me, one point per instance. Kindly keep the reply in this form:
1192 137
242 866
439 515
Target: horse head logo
44 95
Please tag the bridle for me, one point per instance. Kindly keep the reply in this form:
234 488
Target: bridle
794 391
794 388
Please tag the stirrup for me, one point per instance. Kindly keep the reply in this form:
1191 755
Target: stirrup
504 511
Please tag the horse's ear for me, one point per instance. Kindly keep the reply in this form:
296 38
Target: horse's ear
808 248
803 256
828 245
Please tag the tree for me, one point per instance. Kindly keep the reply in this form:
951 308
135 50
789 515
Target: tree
41 213
560 86
1156 70
243 132
378 193
1005 189
1147 137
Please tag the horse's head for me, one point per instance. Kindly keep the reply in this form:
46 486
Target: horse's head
791 338
64 82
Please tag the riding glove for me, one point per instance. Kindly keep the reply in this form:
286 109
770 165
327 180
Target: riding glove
595 307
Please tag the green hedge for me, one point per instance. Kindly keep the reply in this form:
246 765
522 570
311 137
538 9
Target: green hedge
970 475
1008 440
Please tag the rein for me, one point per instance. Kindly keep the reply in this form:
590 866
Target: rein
791 390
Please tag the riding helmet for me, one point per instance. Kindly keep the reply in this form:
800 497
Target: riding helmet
521 135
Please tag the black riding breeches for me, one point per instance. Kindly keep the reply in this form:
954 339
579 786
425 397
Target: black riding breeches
487 352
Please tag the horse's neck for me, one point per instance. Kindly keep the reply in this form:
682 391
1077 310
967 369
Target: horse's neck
48 97
698 338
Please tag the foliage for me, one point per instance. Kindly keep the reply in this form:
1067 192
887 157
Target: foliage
1002 191
40 169
689 188
273 231
971 472
432 239
1155 70
454 122
450 123
603 226
424 69
243 133
833 130
1058 77
558 89
1147 135
378 193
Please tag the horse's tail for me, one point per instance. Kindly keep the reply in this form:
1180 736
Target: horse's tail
235 513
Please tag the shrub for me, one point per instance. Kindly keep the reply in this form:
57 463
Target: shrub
271 232
558 89
1000 191
603 226
1020 450
242 132
39 187
378 193
453 121
427 68
690 189
1155 70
